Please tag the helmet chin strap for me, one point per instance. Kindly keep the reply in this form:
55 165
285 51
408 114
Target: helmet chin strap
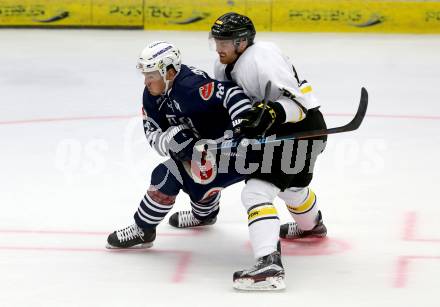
167 84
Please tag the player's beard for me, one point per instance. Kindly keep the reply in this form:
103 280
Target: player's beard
225 58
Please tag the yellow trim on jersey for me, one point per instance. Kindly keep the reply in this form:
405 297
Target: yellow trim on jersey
305 206
300 114
301 117
306 90
262 211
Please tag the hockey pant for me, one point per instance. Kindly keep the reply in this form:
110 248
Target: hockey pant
172 176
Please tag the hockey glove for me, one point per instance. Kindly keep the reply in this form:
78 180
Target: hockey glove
180 145
250 125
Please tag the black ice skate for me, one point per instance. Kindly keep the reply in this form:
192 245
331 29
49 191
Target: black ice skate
131 237
291 230
267 274
185 219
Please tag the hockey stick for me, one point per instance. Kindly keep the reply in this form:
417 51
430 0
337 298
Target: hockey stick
352 125
265 100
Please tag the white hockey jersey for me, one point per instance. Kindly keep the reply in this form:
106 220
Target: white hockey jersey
264 61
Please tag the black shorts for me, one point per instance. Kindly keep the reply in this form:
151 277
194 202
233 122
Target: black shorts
292 162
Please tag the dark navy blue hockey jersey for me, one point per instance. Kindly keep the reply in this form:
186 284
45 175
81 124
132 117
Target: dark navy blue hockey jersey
195 102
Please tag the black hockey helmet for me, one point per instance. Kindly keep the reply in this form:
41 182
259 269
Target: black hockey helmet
233 26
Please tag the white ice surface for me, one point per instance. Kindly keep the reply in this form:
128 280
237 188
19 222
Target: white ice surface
68 177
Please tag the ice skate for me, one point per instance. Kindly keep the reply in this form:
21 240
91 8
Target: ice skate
185 219
266 275
131 237
291 230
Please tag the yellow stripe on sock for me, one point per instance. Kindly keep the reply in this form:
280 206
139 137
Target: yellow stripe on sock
305 206
262 211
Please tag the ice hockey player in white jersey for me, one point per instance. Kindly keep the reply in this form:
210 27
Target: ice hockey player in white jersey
291 107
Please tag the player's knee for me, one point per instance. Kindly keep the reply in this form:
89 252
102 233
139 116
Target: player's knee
160 197
164 181
294 196
258 192
159 174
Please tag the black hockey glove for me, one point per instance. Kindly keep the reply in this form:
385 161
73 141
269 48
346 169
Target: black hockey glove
250 127
181 145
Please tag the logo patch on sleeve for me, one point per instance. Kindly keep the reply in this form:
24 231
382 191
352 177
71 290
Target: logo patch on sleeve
206 90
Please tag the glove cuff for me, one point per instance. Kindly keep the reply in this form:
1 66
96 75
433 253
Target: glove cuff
279 111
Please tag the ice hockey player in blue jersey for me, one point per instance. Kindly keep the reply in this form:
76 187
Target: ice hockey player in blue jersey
181 105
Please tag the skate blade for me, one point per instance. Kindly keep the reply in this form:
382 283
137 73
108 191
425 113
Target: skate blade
270 284
201 225
311 238
139 246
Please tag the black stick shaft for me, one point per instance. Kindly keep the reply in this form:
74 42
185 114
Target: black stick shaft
352 125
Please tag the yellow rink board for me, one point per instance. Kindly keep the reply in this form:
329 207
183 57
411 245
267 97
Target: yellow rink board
200 15
357 16
398 16
67 13
114 13
34 12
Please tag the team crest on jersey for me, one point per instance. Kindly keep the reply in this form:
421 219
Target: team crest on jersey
206 90
203 171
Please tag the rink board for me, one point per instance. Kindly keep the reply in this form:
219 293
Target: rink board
276 15
65 13
357 16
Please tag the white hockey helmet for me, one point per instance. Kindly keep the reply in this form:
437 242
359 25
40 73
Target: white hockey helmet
157 56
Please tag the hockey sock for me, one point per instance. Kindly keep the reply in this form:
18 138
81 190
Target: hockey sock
153 208
302 205
264 227
263 221
206 209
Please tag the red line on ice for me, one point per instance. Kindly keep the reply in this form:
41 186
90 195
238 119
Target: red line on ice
52 249
61 119
409 225
181 233
396 116
409 229
402 268
80 118
312 246
179 272
182 265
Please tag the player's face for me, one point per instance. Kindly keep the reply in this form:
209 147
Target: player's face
226 51
154 83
